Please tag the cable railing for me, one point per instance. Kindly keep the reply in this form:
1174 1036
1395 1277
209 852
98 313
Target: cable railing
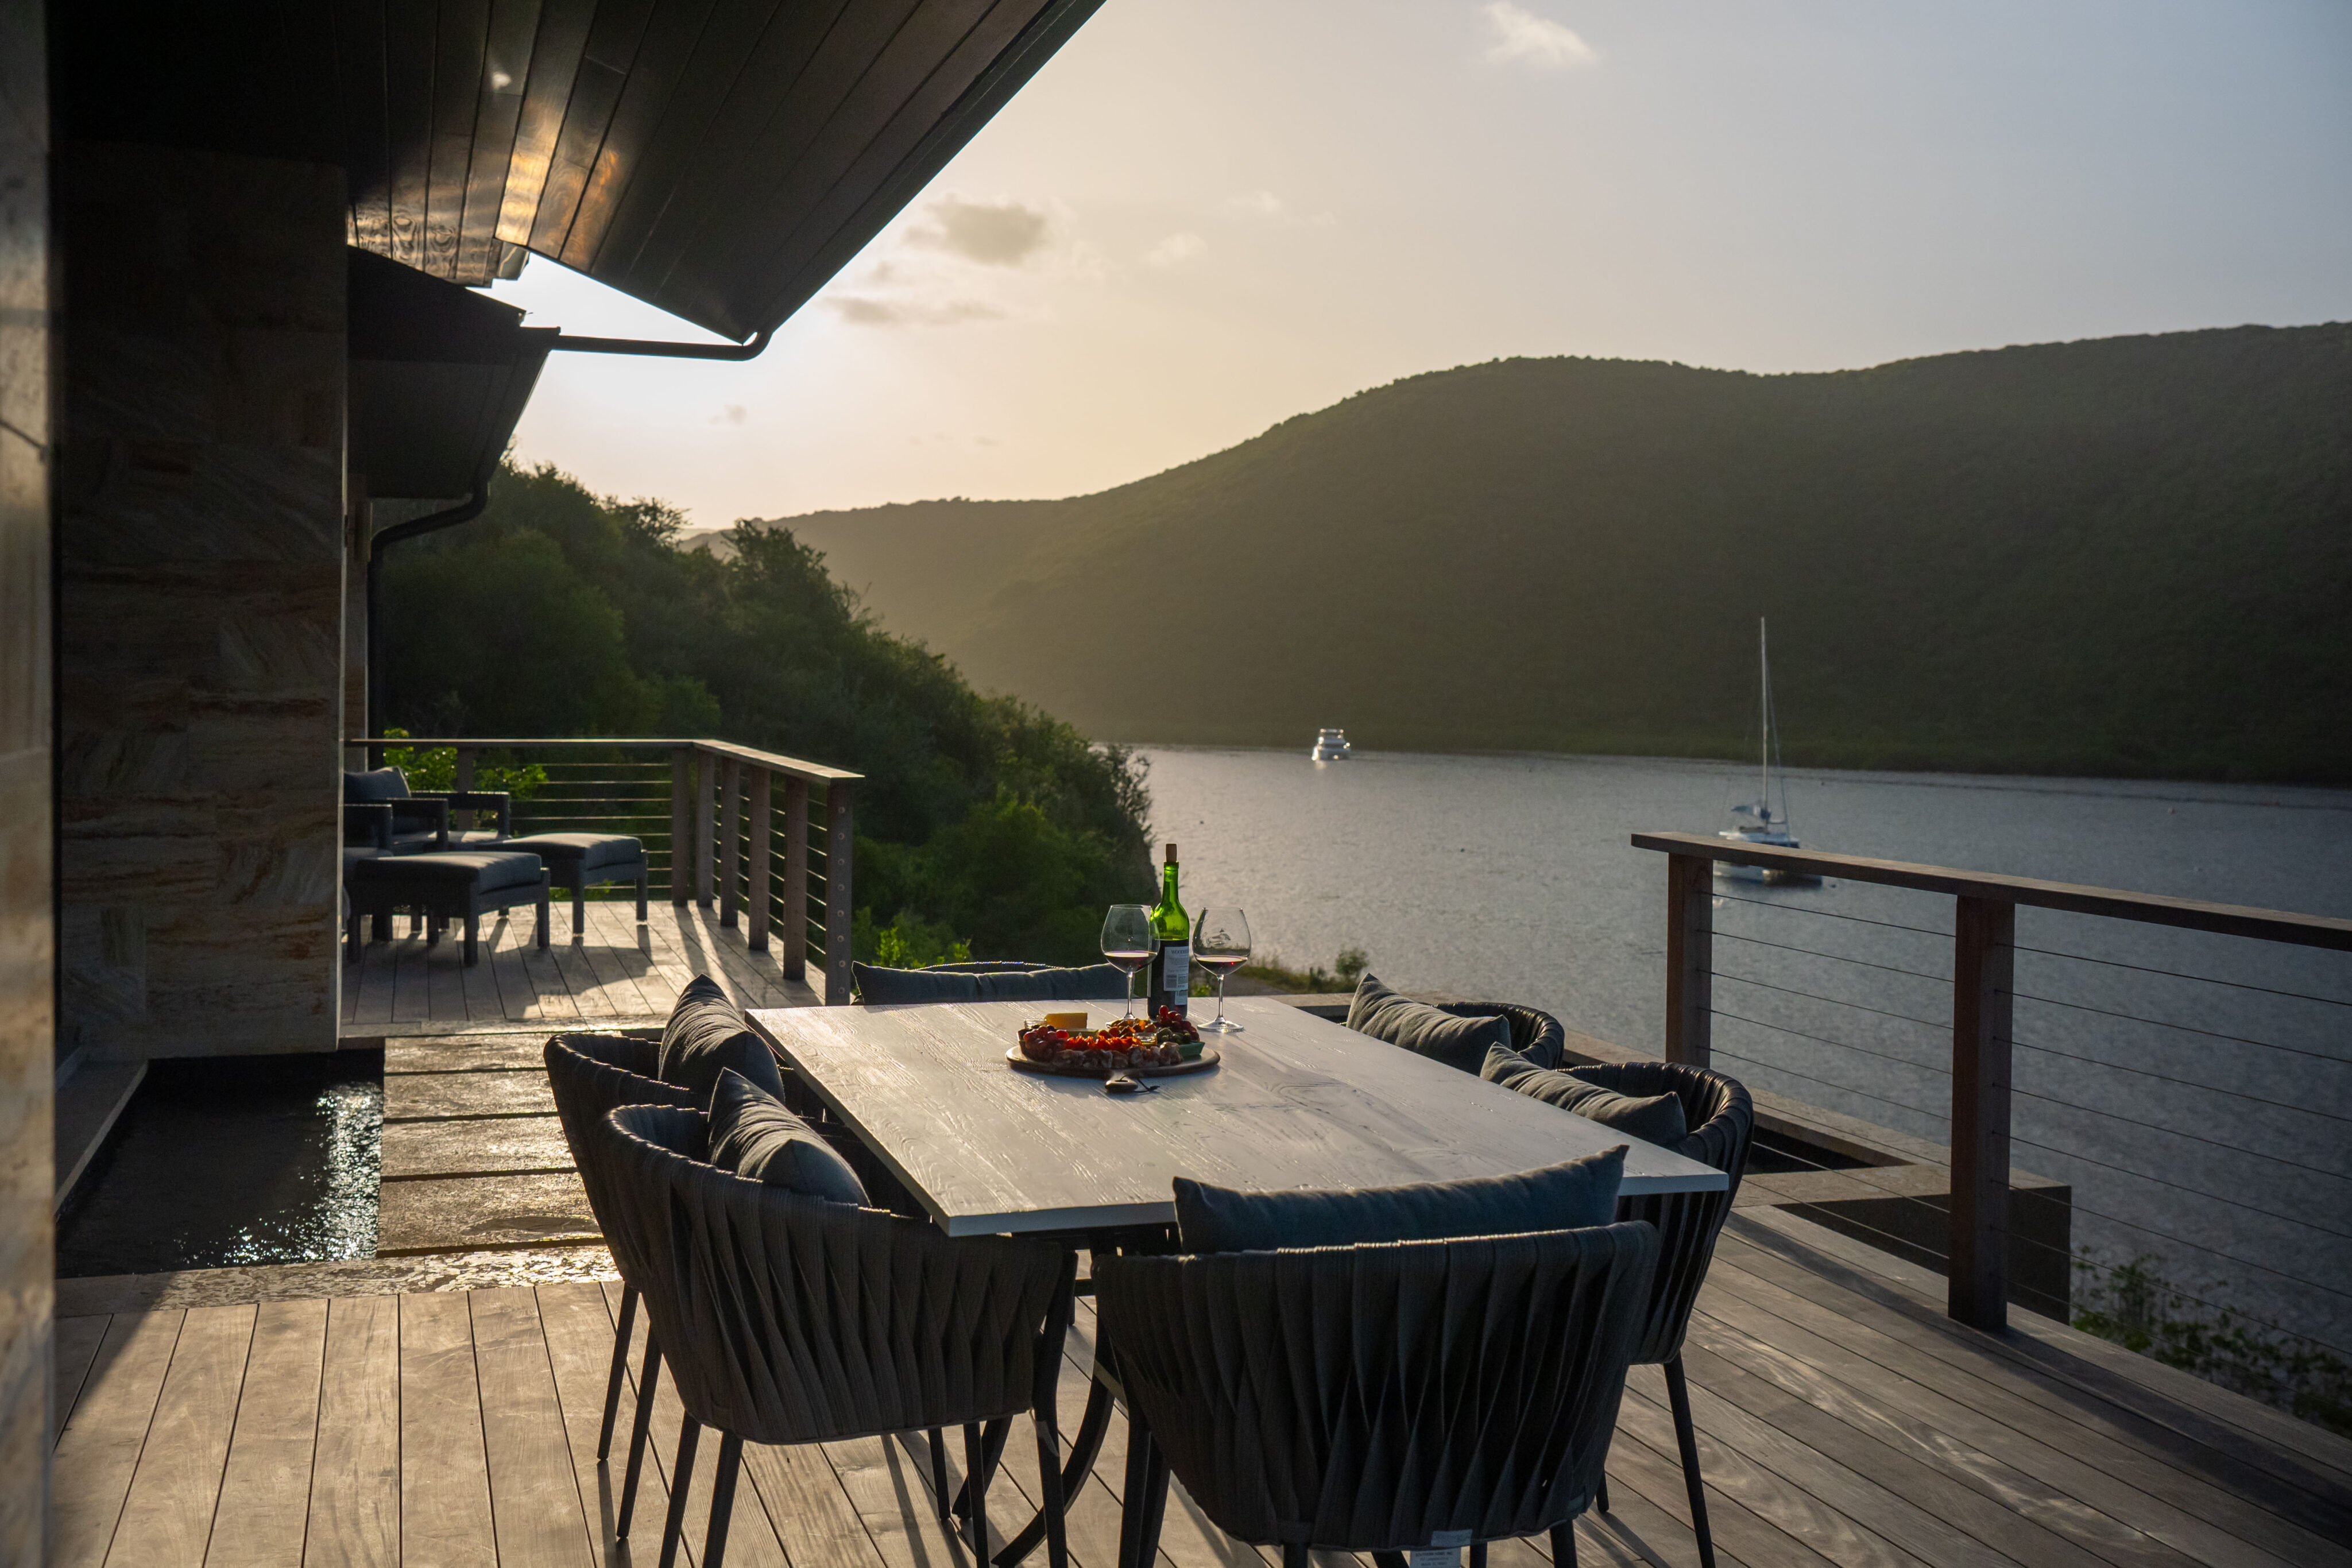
2172 1077
725 827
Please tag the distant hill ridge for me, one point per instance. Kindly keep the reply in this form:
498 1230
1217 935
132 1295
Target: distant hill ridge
2121 556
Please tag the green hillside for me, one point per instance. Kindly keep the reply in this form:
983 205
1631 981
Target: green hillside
2126 556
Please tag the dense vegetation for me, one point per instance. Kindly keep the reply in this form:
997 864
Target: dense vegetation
2128 556
560 612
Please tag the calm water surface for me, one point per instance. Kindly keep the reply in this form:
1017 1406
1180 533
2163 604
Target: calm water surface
2207 1124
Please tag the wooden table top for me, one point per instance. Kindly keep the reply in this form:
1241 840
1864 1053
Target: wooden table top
1298 1101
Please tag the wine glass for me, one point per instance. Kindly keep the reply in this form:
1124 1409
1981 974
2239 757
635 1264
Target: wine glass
1129 942
1221 943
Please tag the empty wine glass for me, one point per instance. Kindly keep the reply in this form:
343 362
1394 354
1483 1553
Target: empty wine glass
1127 942
1221 943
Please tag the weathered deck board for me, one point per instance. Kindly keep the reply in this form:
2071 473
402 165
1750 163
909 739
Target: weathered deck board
1842 1422
618 973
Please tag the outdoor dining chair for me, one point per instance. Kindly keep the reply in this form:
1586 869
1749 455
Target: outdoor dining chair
1387 1397
793 1320
590 1075
1722 1122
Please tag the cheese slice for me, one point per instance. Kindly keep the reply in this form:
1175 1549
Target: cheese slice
1071 1021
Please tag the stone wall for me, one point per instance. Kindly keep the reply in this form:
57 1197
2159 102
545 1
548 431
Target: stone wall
200 543
27 948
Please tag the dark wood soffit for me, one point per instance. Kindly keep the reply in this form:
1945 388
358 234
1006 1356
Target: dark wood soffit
719 159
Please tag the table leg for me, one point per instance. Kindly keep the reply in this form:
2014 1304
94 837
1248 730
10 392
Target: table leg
1083 1447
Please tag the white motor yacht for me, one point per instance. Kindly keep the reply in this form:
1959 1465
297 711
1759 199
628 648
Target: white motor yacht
1331 746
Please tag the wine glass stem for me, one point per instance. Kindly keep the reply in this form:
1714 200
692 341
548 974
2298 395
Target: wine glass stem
1128 1011
1221 999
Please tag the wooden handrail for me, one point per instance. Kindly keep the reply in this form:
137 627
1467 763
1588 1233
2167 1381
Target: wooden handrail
2148 908
1984 943
792 767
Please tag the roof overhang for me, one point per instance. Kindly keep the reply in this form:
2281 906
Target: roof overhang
720 159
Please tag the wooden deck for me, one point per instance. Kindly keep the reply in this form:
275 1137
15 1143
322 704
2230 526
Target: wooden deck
614 972
1843 1420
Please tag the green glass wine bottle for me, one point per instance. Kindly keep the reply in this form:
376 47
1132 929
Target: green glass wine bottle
1172 966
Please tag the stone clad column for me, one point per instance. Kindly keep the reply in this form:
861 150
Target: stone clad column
27 950
201 564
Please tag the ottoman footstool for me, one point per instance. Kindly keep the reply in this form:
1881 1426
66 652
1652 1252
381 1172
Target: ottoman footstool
581 861
445 887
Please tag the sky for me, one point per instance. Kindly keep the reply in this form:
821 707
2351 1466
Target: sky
1204 216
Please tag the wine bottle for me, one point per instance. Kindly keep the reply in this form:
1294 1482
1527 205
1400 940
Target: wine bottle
1172 967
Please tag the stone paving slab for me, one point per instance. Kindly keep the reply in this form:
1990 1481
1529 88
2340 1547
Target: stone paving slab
496 1146
457 1214
416 1096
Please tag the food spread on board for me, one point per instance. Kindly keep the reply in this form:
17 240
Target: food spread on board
1061 1042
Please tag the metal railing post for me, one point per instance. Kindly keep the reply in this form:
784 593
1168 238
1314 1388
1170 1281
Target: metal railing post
681 823
1983 963
1690 958
796 921
730 841
702 829
464 781
757 844
837 894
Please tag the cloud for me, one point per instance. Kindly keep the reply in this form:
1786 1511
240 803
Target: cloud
1176 247
994 234
860 310
1520 37
1265 204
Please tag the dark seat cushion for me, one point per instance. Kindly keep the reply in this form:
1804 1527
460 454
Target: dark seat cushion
753 1136
1566 1197
374 784
1425 1031
482 870
705 1037
878 986
1652 1118
561 851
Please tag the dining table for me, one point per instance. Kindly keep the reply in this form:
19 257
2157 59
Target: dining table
1293 1101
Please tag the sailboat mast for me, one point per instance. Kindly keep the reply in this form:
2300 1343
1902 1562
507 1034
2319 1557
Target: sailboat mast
1764 668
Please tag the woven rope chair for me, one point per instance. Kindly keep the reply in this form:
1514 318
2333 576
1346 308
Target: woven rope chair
590 1075
791 1319
1535 1034
1378 1398
1722 1122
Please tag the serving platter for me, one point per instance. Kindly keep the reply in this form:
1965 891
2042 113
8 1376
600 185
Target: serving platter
1208 1058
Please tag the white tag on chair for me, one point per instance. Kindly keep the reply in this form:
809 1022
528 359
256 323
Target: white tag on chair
1435 1557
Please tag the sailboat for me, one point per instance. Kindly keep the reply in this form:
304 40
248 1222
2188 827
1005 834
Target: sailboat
1758 823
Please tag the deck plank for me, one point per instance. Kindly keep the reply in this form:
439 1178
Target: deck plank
168 1515
355 1474
653 1484
265 1493
73 1348
534 1495
578 1323
1966 1406
445 1481
2147 1454
100 1445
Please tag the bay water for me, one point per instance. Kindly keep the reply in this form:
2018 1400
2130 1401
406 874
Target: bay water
2194 1089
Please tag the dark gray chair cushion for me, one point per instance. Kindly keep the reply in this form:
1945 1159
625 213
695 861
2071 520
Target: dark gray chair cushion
753 1136
587 850
1652 1118
1425 1031
453 871
706 1036
1567 1196
878 986
374 784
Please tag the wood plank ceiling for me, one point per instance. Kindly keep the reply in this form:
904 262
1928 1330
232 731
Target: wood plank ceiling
720 159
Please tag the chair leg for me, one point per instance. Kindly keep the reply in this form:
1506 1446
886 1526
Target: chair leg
681 1477
473 936
620 1369
1601 1495
1294 1555
1687 1439
1477 1554
579 907
544 930
1051 1502
975 1487
639 1430
1155 1506
939 1475
1564 1545
722 1501
1135 1494
641 895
